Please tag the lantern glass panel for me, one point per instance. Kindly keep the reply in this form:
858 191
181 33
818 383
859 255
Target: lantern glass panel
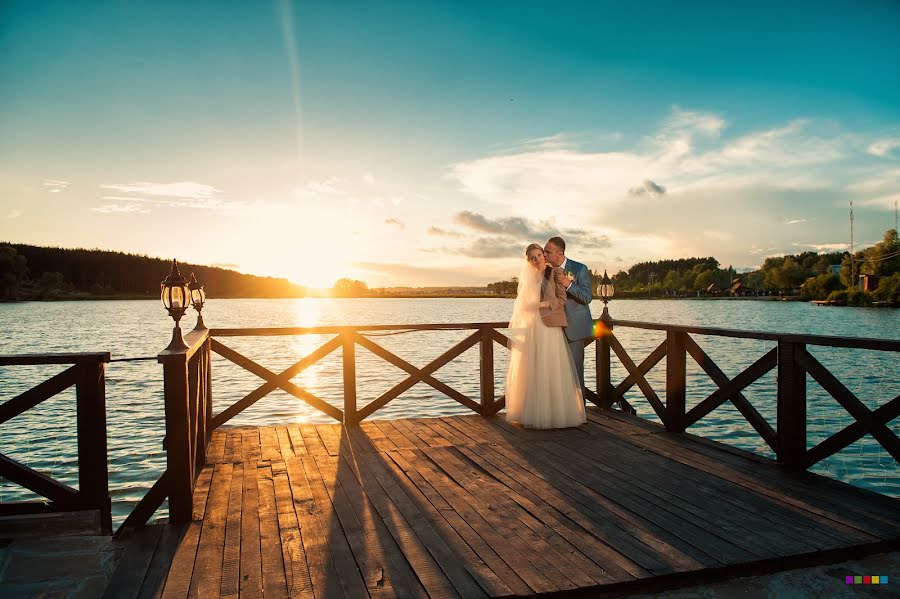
178 297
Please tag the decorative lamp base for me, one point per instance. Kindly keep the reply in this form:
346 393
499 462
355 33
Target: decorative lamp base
201 326
177 342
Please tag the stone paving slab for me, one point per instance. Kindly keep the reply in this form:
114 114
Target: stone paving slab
803 583
72 567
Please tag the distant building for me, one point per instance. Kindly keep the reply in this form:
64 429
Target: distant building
869 282
738 289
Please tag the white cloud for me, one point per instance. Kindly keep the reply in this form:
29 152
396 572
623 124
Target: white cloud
121 209
795 221
178 189
883 147
15 213
55 185
369 179
325 187
824 247
180 194
887 202
689 153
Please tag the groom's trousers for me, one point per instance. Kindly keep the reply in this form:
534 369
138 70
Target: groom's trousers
576 348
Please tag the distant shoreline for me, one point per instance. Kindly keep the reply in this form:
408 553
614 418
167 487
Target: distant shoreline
78 297
114 297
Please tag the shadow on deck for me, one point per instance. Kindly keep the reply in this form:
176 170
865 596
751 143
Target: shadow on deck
473 507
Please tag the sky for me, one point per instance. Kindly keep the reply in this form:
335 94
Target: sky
427 143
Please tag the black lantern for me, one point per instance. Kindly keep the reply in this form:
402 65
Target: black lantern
606 289
175 295
198 297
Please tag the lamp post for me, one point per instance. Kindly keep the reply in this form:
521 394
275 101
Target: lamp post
605 290
175 295
198 297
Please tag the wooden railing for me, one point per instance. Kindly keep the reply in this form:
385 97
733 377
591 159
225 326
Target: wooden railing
187 384
347 338
789 439
190 419
87 374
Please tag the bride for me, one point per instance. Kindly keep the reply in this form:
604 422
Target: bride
542 388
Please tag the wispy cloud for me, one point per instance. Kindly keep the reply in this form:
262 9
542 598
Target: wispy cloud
395 222
443 232
369 179
690 151
487 247
795 221
55 185
121 209
178 189
180 194
522 229
15 213
648 187
823 248
883 147
389 273
328 187
887 202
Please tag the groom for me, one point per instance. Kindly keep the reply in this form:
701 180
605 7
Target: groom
576 278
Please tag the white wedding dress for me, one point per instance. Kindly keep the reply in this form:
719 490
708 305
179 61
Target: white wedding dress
542 388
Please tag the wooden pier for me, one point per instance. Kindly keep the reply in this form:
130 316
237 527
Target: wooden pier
467 506
471 506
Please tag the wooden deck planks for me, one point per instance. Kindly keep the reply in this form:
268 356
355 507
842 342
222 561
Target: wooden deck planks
471 506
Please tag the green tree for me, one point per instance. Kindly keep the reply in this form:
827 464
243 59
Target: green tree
884 257
13 272
889 289
820 287
349 288
704 279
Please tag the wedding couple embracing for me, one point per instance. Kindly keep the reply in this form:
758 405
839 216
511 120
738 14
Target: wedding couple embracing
550 321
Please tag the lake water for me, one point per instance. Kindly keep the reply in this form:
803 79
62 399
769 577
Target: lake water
44 437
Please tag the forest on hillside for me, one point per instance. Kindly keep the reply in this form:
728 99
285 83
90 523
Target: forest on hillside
808 275
34 272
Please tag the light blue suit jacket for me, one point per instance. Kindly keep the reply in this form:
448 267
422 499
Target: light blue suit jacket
578 299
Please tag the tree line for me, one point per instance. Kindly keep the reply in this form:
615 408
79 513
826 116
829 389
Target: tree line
34 272
809 275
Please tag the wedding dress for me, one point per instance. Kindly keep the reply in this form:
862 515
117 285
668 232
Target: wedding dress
542 387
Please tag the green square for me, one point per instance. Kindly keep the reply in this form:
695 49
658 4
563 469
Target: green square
857 580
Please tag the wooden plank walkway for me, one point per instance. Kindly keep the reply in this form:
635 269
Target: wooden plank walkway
467 506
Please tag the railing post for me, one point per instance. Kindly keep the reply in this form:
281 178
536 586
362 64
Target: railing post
196 379
601 346
349 352
207 360
791 406
486 367
676 381
93 472
179 465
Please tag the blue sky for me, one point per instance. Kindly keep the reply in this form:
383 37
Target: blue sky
426 143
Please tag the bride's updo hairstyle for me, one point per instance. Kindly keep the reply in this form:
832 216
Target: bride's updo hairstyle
533 246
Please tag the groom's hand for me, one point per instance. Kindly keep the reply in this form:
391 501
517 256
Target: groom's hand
562 279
